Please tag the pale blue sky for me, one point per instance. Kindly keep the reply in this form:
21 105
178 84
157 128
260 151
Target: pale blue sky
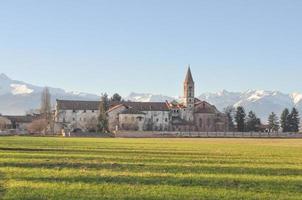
144 46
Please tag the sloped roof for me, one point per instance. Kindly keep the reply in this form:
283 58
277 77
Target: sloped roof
148 106
21 118
115 107
77 105
94 105
205 107
132 111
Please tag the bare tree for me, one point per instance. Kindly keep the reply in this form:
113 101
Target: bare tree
45 109
37 126
3 124
230 112
45 102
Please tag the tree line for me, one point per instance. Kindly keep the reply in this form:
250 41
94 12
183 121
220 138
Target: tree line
239 121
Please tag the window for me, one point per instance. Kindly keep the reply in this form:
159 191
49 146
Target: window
166 119
74 111
73 119
157 120
84 111
200 122
92 111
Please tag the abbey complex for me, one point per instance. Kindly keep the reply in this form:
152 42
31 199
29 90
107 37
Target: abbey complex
191 114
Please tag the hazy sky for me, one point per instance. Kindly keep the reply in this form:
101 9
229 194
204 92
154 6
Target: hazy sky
145 45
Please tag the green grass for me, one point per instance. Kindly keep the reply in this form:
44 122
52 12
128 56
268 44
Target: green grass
80 168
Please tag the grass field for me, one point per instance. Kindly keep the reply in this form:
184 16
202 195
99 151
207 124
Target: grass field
78 168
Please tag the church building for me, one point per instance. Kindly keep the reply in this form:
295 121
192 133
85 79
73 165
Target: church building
191 114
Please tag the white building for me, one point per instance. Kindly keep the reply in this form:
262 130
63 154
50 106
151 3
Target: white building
190 115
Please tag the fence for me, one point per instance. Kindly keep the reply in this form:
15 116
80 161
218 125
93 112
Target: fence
146 134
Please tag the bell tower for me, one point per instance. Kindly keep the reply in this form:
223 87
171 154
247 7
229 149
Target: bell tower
189 88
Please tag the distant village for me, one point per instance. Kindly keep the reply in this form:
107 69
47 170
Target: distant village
112 115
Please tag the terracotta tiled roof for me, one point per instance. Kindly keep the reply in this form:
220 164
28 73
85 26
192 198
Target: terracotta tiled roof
148 106
132 111
113 107
205 107
175 105
94 105
77 105
21 118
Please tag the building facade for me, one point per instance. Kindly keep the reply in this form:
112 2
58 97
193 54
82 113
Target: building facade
16 122
191 114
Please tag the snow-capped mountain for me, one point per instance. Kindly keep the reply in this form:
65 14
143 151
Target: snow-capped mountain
17 97
260 101
143 97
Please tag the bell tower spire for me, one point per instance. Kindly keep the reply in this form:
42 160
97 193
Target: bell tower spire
189 88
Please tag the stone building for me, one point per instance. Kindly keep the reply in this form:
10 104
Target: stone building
191 114
74 115
17 122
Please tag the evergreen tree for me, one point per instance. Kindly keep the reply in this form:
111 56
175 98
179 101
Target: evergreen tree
103 118
273 122
285 120
229 112
116 97
240 119
252 122
294 121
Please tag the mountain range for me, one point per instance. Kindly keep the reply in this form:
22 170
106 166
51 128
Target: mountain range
17 97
